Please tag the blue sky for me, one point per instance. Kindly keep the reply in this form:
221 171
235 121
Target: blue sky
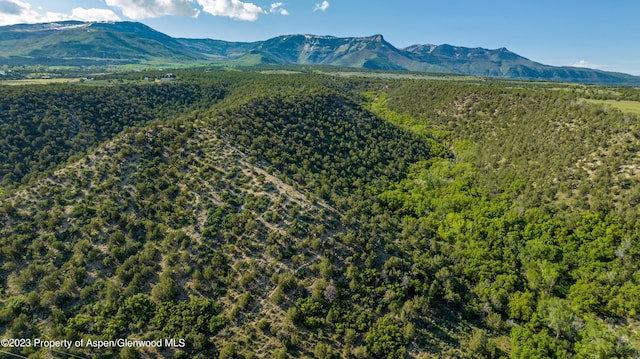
597 34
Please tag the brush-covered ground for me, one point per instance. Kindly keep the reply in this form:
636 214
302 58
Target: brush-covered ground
309 215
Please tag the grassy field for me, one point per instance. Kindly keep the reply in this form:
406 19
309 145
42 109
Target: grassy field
631 107
280 72
39 81
404 75
74 81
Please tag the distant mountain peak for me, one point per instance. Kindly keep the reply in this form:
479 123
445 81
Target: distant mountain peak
311 36
62 26
377 37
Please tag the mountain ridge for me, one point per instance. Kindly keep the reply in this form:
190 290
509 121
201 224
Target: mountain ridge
99 43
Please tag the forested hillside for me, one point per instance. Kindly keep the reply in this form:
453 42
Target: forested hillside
306 215
571 153
42 126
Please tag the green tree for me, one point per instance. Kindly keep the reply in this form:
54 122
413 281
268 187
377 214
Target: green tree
386 338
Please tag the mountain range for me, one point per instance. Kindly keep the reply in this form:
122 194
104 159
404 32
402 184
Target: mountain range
88 43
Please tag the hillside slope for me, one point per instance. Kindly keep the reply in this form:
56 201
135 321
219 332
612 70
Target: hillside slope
188 216
145 229
570 152
78 43
505 64
43 126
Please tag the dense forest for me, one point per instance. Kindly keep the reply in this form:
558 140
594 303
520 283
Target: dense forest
292 214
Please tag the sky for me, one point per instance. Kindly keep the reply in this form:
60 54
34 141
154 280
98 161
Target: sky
600 34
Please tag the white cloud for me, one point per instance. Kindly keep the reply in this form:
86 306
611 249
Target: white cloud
323 6
15 12
276 7
20 12
10 7
234 9
141 9
94 14
587 64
